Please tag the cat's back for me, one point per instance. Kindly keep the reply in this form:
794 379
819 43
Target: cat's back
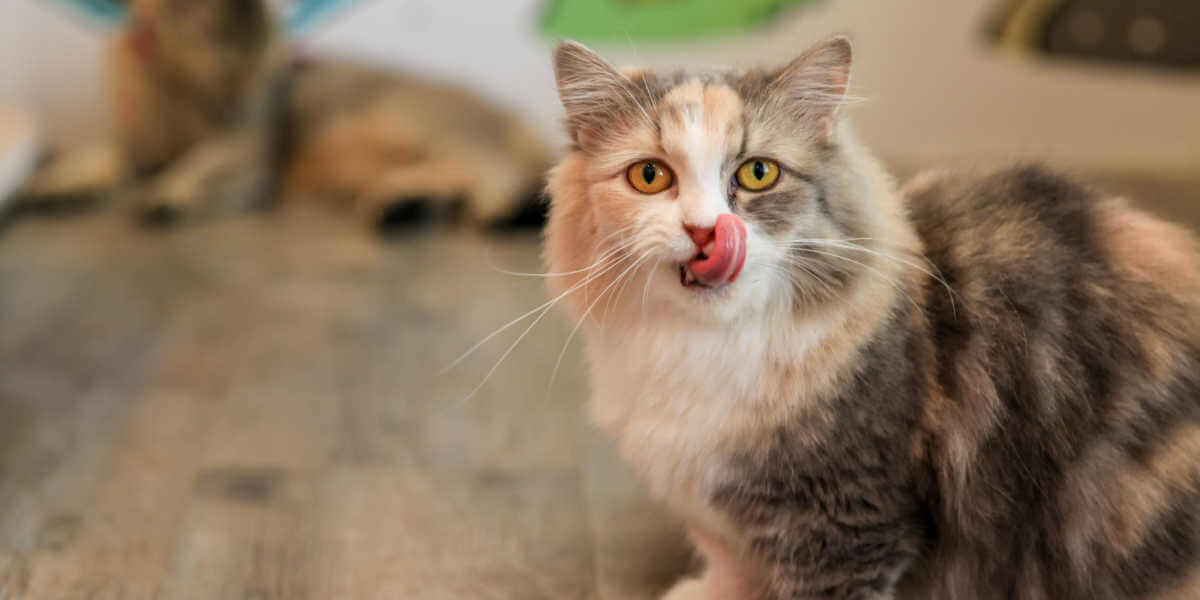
1031 243
1068 362
410 106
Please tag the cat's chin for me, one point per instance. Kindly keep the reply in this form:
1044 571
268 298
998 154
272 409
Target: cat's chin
687 279
714 301
691 284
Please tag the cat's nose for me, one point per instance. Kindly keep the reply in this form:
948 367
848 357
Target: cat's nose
701 235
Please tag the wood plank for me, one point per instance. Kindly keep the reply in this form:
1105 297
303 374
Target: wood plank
247 534
14 576
124 540
76 344
288 435
392 534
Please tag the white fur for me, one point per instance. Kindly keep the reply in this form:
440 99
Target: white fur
686 378
678 395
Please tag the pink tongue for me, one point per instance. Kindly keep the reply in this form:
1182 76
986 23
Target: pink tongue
728 255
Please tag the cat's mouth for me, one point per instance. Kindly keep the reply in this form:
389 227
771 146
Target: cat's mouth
720 261
688 279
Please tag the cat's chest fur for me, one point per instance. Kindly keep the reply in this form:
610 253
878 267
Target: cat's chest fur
682 402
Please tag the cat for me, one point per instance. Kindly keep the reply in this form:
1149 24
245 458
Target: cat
971 387
216 115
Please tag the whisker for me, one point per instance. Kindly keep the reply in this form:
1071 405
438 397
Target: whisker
809 267
629 243
936 276
620 291
877 272
558 274
800 285
646 289
517 342
498 269
574 330
505 327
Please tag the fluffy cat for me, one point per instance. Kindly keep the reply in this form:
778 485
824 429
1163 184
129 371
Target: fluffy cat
971 388
215 116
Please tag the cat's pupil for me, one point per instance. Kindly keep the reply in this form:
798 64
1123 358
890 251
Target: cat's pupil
760 170
649 173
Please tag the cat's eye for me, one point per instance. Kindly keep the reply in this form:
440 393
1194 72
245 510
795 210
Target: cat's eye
758 174
649 176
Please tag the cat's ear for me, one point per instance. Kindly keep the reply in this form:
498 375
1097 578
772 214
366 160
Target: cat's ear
815 83
592 91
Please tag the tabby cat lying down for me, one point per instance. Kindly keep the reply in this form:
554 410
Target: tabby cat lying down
209 106
970 388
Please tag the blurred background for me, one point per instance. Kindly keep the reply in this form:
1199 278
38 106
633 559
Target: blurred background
241 244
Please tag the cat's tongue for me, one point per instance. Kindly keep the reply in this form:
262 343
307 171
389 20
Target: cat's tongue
728 254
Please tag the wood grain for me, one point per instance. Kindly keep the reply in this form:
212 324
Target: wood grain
253 410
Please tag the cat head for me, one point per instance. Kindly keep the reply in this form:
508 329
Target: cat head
717 194
208 46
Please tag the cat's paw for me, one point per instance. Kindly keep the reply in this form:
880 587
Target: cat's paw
687 589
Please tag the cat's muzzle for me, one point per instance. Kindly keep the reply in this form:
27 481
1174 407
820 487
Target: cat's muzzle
720 261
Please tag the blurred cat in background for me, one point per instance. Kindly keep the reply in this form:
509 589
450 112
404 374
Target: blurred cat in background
214 117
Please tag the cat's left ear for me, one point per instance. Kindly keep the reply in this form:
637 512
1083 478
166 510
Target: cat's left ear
815 83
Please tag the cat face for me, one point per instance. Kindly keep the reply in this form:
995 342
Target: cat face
207 46
669 169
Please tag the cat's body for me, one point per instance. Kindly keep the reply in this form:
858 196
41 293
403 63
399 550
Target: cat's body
1018 417
218 114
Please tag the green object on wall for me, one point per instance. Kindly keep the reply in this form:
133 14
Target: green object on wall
295 15
657 19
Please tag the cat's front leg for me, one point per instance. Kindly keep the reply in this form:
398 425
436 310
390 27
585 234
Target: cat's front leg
225 174
850 537
726 576
811 563
689 589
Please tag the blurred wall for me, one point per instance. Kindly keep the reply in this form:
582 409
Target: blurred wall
51 62
934 92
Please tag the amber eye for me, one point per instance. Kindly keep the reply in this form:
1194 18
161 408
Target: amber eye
758 174
649 176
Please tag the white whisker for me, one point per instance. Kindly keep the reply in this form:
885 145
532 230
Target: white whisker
845 244
646 289
517 342
542 306
559 274
582 318
877 272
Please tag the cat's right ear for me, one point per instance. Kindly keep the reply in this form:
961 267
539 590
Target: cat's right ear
593 93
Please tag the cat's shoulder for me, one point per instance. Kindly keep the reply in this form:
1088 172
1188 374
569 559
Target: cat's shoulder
1033 232
1028 194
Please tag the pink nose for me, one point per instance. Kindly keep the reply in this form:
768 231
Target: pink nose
700 235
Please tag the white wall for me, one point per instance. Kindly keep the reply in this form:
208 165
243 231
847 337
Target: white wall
935 93
51 62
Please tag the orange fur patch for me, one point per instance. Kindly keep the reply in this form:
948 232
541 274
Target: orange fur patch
1152 251
1164 257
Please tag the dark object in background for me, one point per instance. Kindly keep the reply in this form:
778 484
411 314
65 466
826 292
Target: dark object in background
1163 33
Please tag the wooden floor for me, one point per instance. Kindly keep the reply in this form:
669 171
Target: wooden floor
253 410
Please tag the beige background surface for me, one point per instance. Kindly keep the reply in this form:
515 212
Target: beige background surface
935 93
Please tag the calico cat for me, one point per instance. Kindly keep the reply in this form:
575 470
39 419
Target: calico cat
975 387
213 113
